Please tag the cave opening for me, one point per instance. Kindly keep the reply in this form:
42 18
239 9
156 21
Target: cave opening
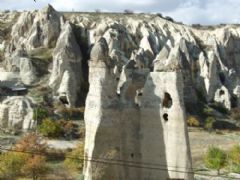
64 100
167 100
221 92
165 117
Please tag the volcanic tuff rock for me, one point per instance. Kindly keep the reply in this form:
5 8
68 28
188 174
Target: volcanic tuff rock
17 113
136 61
66 75
125 104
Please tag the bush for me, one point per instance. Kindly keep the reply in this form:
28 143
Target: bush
44 54
128 11
39 114
234 159
169 19
11 164
209 122
76 160
26 160
208 111
193 121
68 129
235 114
71 113
50 128
220 108
215 158
159 15
196 26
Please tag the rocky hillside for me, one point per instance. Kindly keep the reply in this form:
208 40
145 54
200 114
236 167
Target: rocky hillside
44 58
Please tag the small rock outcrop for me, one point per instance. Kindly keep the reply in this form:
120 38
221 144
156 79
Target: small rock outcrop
17 113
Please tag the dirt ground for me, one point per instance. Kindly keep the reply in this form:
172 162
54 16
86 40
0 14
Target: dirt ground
200 140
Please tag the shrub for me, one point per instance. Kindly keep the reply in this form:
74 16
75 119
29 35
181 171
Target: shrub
50 128
215 158
71 113
128 11
76 160
169 18
26 160
39 114
207 111
193 121
196 26
159 15
97 10
220 108
68 129
11 164
44 54
234 159
235 114
209 122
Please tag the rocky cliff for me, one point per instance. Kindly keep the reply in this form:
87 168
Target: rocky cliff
143 70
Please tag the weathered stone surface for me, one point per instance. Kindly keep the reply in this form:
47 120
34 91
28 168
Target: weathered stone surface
66 75
36 29
19 62
223 97
17 113
117 109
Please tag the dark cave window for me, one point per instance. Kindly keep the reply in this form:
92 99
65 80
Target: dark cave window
64 100
117 79
221 93
132 155
140 94
167 100
165 117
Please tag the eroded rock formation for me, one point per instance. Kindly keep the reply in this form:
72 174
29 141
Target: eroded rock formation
17 113
66 75
119 125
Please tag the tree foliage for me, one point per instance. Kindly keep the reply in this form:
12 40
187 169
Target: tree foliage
215 158
75 163
26 159
234 159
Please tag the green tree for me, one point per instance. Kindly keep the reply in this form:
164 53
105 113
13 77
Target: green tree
39 114
25 159
75 163
50 128
209 122
234 159
11 164
215 158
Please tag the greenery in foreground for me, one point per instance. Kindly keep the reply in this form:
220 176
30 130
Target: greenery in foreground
30 158
217 159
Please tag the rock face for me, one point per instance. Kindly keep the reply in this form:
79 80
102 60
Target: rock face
17 113
37 29
66 76
143 71
19 62
118 125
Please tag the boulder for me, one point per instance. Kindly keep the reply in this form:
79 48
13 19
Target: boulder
17 113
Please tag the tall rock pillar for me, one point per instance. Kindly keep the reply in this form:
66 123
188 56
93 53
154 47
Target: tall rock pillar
165 142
